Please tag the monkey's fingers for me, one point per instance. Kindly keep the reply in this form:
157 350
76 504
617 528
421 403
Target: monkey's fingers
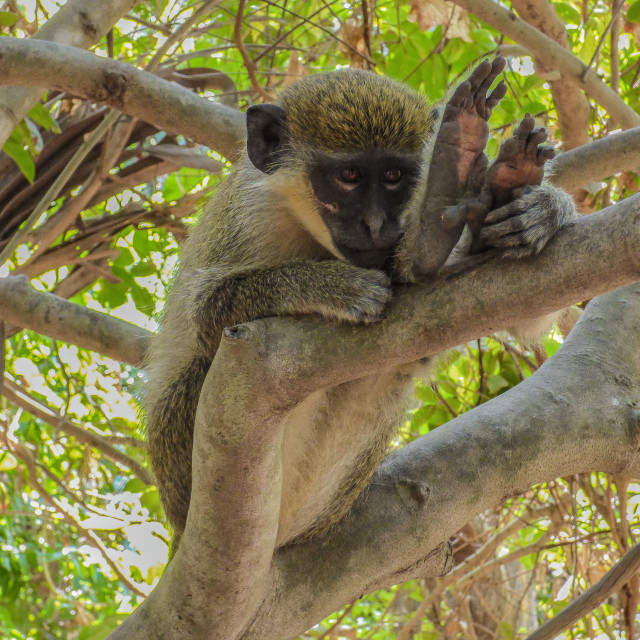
545 153
496 95
526 126
461 99
499 233
537 137
486 72
505 212
479 74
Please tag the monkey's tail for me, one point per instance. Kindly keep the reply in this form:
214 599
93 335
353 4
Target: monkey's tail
170 420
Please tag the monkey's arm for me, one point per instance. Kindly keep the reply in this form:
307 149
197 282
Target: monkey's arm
330 288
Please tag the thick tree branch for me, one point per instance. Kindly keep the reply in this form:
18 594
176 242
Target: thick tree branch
597 160
600 252
422 494
22 305
79 23
553 56
164 104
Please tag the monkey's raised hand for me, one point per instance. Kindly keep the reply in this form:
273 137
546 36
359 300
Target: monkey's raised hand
519 164
458 164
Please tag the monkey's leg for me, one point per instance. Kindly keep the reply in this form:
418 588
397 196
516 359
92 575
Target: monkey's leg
333 289
520 162
457 165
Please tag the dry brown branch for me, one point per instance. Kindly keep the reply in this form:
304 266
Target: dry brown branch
58 184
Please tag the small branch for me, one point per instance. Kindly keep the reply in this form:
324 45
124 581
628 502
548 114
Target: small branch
248 62
554 56
597 160
611 582
166 105
20 398
24 306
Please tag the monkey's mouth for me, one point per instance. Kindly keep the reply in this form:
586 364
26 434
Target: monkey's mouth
368 258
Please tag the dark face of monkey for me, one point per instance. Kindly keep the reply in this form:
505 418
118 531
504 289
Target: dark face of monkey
361 198
361 192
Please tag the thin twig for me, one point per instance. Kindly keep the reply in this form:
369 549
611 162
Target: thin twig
248 62
611 582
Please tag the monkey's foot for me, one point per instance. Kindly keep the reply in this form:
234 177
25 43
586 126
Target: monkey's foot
523 227
520 161
464 130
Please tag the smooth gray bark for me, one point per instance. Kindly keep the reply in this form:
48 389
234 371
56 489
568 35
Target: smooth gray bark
79 23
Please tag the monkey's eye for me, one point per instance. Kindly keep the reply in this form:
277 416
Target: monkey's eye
392 176
350 175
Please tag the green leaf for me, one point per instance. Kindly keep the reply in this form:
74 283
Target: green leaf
495 383
39 114
144 301
143 269
22 158
633 15
8 19
567 13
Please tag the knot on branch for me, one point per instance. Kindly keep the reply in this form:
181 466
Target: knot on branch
114 86
88 25
413 492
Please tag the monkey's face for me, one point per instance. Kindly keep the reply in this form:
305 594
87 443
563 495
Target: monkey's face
361 197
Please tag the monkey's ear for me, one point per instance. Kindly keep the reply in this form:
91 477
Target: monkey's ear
266 136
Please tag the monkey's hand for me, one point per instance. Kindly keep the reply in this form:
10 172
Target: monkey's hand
520 162
523 227
346 292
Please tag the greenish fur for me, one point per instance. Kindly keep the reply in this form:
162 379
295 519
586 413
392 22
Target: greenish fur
260 249
355 109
